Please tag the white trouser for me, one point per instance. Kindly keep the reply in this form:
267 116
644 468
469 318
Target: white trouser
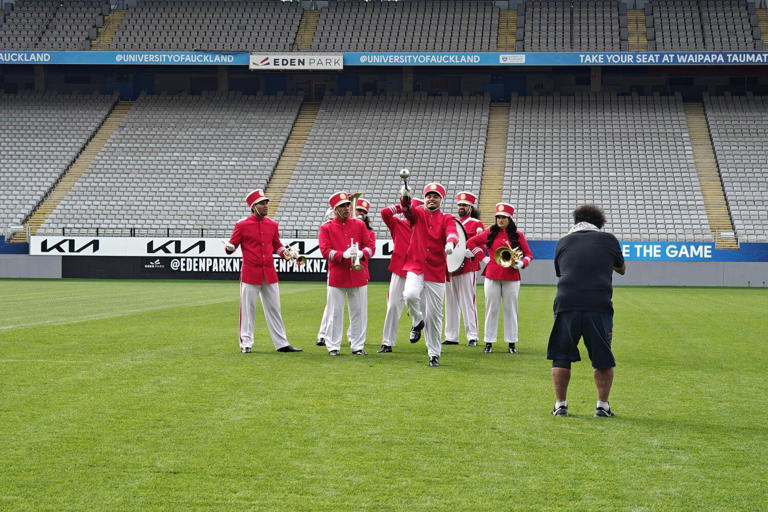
460 302
395 304
432 308
358 316
270 301
497 294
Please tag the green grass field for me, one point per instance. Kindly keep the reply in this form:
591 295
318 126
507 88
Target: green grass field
132 395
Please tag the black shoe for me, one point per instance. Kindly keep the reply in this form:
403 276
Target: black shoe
488 348
512 348
333 352
384 349
289 348
603 413
359 353
416 332
434 361
448 342
245 350
560 411
320 342
472 343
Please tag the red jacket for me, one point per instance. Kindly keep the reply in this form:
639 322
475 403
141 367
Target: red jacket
476 244
430 231
259 239
400 229
335 238
472 226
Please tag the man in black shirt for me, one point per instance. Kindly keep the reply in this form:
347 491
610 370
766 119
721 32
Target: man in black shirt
585 260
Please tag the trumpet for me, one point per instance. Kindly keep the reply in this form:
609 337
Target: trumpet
506 256
356 263
291 254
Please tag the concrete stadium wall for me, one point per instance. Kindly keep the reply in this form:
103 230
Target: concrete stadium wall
23 265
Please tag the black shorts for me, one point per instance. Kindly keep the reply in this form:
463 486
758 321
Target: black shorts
570 326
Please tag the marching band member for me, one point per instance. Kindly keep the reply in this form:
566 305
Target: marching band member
502 285
322 333
361 213
400 229
433 235
259 238
460 286
345 243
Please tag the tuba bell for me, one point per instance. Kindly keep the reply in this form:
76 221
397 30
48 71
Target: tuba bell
506 256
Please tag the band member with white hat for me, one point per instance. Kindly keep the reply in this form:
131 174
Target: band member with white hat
502 284
400 229
345 243
460 286
258 237
433 235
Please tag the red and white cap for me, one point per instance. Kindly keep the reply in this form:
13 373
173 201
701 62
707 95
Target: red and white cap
415 202
466 198
505 209
435 187
338 199
255 196
362 204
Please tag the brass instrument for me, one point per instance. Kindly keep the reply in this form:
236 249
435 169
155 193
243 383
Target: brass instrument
506 256
356 263
291 254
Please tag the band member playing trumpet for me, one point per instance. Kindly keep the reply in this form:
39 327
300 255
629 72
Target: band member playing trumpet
259 238
460 286
400 230
433 235
345 243
510 254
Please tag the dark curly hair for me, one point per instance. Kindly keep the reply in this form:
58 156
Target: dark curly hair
514 238
589 213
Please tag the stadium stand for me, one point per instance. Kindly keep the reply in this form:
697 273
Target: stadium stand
570 25
420 25
359 144
74 25
738 126
727 25
41 135
25 24
265 25
182 163
630 154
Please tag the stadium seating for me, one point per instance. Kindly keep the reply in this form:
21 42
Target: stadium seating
359 144
738 126
25 24
265 25
726 25
631 155
41 135
571 25
74 25
419 25
183 163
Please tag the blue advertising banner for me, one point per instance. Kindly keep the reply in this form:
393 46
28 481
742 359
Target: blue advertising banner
557 59
125 58
550 59
669 251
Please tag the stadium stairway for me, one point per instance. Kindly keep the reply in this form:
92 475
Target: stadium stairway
709 178
306 32
638 40
494 161
107 33
505 40
292 150
762 22
61 188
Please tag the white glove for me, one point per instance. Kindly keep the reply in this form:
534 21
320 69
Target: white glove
405 191
468 254
229 248
349 253
360 254
449 247
518 264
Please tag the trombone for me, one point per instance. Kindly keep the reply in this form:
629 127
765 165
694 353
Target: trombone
505 256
